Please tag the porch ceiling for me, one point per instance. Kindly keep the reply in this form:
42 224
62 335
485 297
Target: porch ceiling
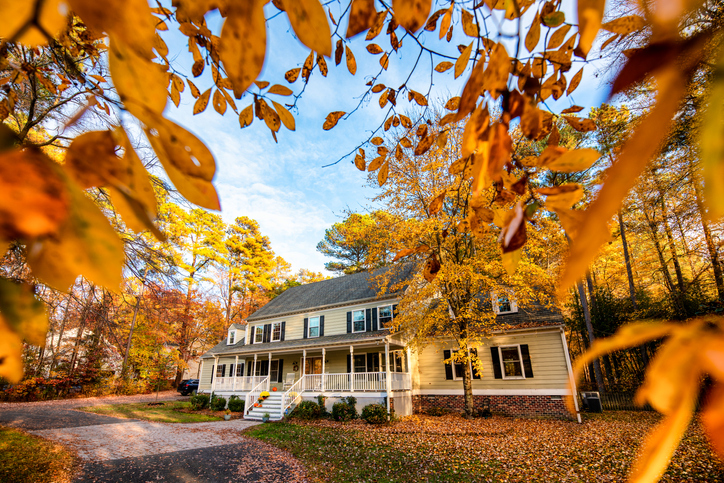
327 342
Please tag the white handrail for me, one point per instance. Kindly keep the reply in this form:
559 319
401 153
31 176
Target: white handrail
298 389
254 394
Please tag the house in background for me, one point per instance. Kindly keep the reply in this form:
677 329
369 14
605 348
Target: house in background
331 338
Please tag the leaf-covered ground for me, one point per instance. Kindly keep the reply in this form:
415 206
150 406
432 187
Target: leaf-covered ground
450 448
26 458
168 412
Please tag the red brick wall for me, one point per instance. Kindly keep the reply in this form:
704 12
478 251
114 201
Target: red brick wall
531 406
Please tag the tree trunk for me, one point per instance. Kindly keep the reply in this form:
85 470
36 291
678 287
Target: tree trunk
81 329
130 334
710 245
468 389
627 259
587 317
672 248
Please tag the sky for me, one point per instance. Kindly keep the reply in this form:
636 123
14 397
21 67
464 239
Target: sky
285 187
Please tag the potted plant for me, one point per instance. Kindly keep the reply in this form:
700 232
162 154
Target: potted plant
264 395
227 414
265 418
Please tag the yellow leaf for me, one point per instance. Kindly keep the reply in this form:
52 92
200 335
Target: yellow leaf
625 25
382 175
571 221
443 66
219 102
270 116
86 244
574 82
580 125
622 175
469 26
495 78
280 89
510 261
332 119
562 197
175 95
359 162
187 161
35 200
323 69
11 352
374 49
23 312
445 22
141 84
286 116
418 98
376 163
384 61
411 14
590 14
361 16
91 159
292 75
310 24
713 418
246 116
463 60
405 252
436 204
242 46
572 161
351 62
202 102
533 35
711 142
17 14
453 103
558 37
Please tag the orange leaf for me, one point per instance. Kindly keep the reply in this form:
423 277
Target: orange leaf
411 14
332 119
310 24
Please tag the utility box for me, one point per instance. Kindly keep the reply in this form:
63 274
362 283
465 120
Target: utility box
592 401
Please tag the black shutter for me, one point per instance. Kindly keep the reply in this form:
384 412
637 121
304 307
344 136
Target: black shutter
213 373
223 370
349 363
265 367
375 361
306 327
394 311
284 329
370 363
474 357
448 365
231 370
248 369
374 319
281 368
496 362
321 326
252 331
349 323
527 367
368 320
267 332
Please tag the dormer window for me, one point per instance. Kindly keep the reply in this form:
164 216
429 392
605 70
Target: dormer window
231 340
503 303
258 334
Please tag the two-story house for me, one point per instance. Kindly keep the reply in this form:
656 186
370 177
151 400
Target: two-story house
330 338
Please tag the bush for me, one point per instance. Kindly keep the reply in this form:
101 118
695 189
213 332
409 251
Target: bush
374 414
199 401
345 410
236 405
436 411
217 403
307 410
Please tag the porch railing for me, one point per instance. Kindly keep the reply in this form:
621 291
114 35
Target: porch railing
244 383
400 381
293 394
363 381
253 394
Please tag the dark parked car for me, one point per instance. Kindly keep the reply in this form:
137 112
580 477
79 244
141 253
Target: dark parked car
188 386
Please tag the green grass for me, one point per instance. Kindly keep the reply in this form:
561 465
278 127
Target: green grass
167 413
25 458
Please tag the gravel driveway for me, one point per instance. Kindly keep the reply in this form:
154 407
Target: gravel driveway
128 450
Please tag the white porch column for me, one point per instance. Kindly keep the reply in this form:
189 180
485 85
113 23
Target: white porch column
246 335
324 356
213 374
268 375
304 363
236 369
388 381
351 367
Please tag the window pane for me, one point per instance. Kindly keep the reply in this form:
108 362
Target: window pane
360 363
313 327
239 370
274 376
358 317
398 362
232 336
277 331
511 361
259 335
503 304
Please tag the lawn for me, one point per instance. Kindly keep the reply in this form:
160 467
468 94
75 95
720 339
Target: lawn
25 458
168 412
451 449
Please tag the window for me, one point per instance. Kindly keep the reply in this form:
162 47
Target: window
398 361
313 327
360 363
232 337
276 332
502 303
358 321
258 334
240 370
384 315
220 370
313 365
274 372
510 360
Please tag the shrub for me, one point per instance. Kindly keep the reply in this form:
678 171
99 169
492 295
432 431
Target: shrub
374 414
307 410
199 401
217 403
236 404
345 410
436 411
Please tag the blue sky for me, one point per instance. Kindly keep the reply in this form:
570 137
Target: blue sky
284 186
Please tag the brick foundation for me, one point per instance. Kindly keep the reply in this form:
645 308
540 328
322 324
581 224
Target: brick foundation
529 406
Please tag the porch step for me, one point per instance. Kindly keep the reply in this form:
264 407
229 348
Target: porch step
271 405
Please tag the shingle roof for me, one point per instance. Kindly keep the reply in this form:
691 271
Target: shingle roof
535 315
335 291
326 341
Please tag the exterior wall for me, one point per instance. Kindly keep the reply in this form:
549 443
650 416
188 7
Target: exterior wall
547 356
205 379
402 403
335 320
510 405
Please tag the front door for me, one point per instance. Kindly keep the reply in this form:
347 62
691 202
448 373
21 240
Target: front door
313 365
